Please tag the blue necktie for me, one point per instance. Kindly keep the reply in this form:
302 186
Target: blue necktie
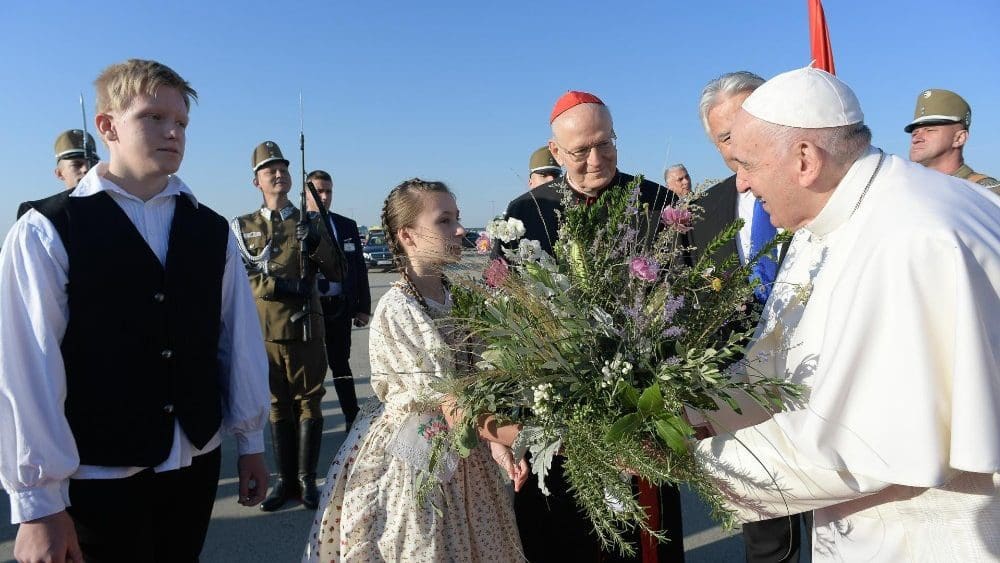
761 233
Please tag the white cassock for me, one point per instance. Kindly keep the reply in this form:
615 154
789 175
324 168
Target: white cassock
890 315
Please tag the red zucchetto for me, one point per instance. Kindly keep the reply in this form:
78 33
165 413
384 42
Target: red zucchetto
571 99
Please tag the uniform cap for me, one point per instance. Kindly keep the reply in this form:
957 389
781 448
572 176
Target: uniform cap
805 98
940 106
541 161
266 152
69 144
571 99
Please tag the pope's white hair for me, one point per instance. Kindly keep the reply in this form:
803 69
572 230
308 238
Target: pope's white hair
718 89
845 144
677 166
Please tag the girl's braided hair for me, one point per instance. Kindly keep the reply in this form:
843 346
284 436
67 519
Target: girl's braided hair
401 208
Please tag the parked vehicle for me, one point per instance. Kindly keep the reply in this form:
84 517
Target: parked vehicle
375 232
377 254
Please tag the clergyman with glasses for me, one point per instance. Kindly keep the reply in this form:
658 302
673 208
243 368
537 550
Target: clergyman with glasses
553 528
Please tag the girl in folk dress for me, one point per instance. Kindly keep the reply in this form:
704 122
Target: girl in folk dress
369 510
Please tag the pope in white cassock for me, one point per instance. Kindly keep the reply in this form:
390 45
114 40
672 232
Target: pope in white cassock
887 309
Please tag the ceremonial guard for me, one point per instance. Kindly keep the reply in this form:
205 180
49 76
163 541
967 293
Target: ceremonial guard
282 278
76 153
542 168
938 134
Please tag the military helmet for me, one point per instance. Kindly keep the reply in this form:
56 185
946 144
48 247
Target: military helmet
935 107
70 144
266 152
541 161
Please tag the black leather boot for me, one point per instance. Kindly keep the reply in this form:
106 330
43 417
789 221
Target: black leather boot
310 440
284 440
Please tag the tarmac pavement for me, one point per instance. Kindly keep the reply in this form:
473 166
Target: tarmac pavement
242 534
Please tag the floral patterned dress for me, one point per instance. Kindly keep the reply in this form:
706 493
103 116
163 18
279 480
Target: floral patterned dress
368 510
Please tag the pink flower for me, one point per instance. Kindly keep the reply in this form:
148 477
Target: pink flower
483 244
496 273
643 268
677 219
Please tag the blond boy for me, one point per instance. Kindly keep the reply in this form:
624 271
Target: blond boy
128 345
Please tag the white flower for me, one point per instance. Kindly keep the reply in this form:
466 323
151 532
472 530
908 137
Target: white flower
529 250
516 228
542 396
505 230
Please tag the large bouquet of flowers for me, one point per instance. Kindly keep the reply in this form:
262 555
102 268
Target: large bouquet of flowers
598 349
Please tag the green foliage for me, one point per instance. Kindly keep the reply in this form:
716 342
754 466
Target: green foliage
599 365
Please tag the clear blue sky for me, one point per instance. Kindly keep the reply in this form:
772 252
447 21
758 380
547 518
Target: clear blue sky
461 91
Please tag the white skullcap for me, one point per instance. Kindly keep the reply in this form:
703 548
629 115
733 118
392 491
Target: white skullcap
806 98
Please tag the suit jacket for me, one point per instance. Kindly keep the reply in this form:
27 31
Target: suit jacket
719 204
357 295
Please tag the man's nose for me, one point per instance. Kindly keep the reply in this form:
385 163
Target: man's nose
742 184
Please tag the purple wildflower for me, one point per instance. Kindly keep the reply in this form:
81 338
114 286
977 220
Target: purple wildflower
644 268
632 208
678 219
671 307
673 332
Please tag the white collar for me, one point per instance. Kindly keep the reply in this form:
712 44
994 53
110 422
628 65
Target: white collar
846 195
285 212
95 181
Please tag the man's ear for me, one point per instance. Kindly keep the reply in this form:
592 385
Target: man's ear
809 161
59 173
106 127
960 138
554 149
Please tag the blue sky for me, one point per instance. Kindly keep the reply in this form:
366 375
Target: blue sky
461 91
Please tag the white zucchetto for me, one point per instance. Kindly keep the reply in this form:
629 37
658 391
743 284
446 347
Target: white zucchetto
806 98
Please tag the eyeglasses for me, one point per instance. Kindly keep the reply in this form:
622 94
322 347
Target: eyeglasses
604 148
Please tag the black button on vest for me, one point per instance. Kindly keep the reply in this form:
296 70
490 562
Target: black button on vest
134 363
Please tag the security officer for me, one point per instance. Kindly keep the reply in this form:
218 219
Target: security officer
346 303
938 133
74 157
270 241
542 168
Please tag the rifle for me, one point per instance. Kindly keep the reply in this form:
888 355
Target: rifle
88 152
306 272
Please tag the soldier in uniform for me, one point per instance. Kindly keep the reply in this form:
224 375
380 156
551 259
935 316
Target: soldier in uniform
73 159
542 168
938 133
270 241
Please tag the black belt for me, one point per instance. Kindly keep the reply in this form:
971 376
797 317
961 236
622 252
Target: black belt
331 298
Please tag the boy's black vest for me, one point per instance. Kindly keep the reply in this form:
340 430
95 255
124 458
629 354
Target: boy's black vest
141 347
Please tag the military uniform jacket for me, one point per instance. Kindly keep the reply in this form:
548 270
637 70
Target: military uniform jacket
966 173
270 251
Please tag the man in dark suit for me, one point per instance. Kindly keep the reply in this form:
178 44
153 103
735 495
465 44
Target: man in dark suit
768 540
346 303
553 528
